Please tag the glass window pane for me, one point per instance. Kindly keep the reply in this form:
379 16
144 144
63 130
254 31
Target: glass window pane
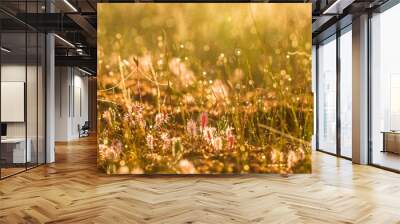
41 98
327 96
314 89
13 86
385 90
31 97
346 94
22 90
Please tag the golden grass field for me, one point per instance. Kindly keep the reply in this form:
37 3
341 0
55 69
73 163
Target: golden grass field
204 88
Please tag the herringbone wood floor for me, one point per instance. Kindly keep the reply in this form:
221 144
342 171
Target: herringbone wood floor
71 191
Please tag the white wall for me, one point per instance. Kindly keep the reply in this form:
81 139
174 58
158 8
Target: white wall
80 110
71 94
12 73
62 81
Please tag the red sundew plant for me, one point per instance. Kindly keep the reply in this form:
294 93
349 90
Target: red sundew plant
204 88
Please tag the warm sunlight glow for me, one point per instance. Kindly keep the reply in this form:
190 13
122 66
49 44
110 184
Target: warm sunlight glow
204 88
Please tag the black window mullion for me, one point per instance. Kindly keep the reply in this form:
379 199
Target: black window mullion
37 90
26 87
317 97
369 89
0 97
45 73
338 76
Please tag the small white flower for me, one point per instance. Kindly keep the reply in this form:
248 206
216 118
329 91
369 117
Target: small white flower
150 141
217 143
160 119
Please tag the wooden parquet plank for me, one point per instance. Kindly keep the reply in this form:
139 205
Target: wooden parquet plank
71 191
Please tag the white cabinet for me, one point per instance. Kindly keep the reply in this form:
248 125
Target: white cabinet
19 155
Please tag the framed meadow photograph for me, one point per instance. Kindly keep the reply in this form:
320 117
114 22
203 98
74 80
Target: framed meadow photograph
204 88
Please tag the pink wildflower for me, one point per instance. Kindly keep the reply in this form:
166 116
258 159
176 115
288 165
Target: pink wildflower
292 159
160 119
150 141
137 108
228 131
107 116
230 137
140 120
110 152
165 140
208 134
191 128
231 141
217 143
203 119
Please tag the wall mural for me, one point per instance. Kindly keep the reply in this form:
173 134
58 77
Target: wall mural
204 88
